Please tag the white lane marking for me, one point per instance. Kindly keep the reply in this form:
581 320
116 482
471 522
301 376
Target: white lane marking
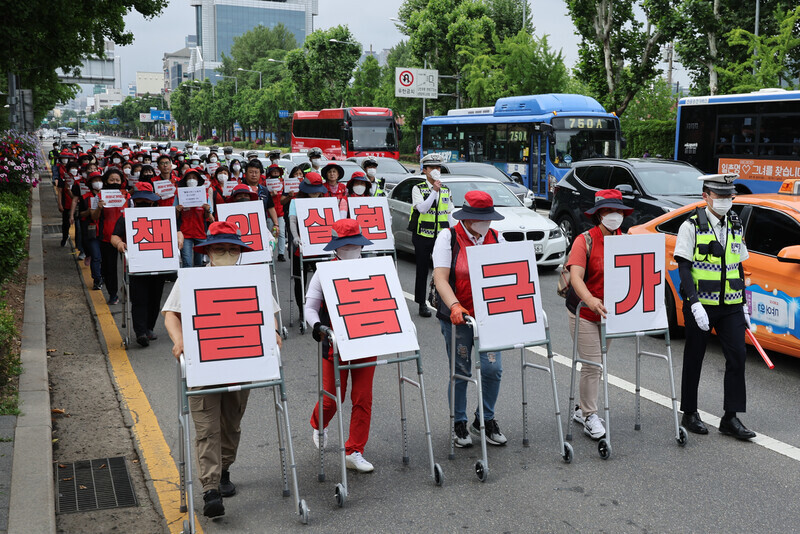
763 440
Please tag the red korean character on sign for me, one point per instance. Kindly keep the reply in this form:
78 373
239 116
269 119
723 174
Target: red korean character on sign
516 296
367 307
644 279
249 228
153 234
319 223
228 323
369 218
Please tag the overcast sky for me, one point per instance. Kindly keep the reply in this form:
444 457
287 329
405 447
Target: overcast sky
371 26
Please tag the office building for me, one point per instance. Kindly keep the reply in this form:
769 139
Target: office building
176 69
149 82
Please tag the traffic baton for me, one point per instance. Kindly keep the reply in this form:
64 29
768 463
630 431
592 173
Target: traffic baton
758 347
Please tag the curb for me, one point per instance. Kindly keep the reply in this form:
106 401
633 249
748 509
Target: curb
32 501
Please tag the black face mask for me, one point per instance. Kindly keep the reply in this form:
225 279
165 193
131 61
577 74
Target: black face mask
146 178
143 205
112 186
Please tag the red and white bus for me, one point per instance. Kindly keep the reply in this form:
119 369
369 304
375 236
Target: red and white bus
346 132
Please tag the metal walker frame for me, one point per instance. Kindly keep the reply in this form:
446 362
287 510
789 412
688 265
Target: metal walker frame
300 278
127 309
185 441
341 492
482 465
604 444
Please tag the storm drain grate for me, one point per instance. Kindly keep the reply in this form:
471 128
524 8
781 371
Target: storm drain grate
51 229
93 485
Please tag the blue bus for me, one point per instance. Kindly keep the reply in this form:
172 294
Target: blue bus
536 136
755 135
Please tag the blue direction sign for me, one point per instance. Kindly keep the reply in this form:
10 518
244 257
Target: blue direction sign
160 115
114 121
283 113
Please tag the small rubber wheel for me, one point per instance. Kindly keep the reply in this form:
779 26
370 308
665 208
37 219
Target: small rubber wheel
604 448
285 333
303 511
481 470
341 495
125 343
683 437
186 527
303 328
567 454
438 475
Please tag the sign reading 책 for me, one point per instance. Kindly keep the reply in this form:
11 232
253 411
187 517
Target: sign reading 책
506 294
112 198
372 214
164 188
367 307
249 219
152 238
191 197
228 325
315 217
634 283
416 83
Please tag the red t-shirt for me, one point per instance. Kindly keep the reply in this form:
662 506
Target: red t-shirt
192 222
594 275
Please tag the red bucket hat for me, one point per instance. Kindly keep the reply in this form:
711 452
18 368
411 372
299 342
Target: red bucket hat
608 198
144 190
478 206
243 188
346 232
221 232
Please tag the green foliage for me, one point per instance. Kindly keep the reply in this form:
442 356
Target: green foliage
366 83
13 236
257 44
654 102
653 135
10 365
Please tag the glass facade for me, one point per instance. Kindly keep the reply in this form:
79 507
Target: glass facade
233 21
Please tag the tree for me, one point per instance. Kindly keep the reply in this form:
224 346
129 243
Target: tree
366 83
654 102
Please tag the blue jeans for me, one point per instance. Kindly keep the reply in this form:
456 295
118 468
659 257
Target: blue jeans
491 371
93 250
190 258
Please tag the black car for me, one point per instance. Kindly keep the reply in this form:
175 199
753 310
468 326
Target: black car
488 170
652 187
389 169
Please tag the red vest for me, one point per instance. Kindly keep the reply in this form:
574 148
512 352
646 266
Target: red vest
108 220
192 223
459 268
340 191
594 276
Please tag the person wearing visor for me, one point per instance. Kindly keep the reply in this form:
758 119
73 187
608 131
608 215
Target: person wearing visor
370 167
192 222
275 172
346 243
217 418
451 276
709 251
315 157
145 290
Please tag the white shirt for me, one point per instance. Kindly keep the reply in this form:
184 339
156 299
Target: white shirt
684 244
443 248
173 302
314 300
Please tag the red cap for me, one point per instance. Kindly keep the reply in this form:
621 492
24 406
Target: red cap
244 188
66 153
143 186
95 174
345 228
276 167
314 178
478 199
222 227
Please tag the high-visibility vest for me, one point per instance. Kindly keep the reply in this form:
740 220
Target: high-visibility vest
716 277
435 219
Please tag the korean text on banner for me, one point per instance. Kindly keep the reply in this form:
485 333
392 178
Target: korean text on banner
191 197
227 189
634 283
367 307
372 214
152 240
291 185
249 219
164 188
315 218
274 185
112 198
506 294
228 325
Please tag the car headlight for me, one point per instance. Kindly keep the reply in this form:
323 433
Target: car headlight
555 233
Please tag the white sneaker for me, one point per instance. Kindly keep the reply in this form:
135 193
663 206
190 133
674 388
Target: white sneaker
358 462
578 415
315 437
593 427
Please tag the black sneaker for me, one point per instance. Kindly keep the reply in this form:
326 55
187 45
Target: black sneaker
113 300
492 430
463 439
424 311
226 487
213 506
98 285
151 335
142 340
281 257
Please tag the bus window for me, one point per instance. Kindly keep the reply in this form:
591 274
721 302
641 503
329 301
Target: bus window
518 143
776 135
450 138
433 137
737 134
497 142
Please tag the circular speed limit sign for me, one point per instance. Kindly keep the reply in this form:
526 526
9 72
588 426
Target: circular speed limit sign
406 78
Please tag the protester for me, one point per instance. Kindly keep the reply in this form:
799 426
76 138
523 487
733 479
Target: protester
333 173
107 220
89 217
252 178
67 171
192 221
358 186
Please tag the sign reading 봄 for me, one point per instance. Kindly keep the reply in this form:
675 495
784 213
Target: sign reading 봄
151 236
249 219
315 218
372 214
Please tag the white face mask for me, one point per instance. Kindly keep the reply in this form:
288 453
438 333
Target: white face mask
612 221
722 205
348 252
73 172
359 189
194 163
126 157
222 178
236 167
116 160
315 162
191 182
371 172
212 160
436 174
223 259
482 227
64 161
134 175
126 171
97 185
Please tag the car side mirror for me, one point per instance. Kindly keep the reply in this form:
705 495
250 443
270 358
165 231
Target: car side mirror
789 254
528 203
626 189
517 178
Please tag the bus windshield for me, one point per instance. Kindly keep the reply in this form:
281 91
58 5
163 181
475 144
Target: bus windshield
374 134
576 145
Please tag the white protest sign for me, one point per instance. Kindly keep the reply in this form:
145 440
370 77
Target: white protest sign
367 307
192 197
634 283
291 185
274 185
372 214
112 198
506 294
315 218
152 239
228 325
93 202
227 187
83 187
132 180
249 219
164 188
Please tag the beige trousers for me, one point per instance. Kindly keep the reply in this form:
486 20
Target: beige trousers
588 349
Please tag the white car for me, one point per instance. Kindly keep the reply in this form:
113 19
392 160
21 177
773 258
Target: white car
520 223
296 158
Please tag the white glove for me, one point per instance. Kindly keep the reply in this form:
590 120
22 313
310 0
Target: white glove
700 316
747 319
296 243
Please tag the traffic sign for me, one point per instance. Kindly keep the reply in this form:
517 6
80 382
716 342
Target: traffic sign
145 117
84 120
114 121
416 83
160 115
283 113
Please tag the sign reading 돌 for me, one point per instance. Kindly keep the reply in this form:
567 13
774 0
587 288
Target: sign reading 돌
506 294
416 83
228 325
367 307
249 219
372 214
152 239
634 283
315 218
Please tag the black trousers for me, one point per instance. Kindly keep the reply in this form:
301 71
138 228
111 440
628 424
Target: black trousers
309 268
108 267
65 225
728 321
145 295
423 249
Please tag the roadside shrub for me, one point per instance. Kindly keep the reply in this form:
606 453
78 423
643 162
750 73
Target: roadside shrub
9 364
13 234
653 135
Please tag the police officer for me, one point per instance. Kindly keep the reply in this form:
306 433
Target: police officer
710 251
315 157
370 167
274 155
431 205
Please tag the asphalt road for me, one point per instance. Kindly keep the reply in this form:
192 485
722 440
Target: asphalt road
649 484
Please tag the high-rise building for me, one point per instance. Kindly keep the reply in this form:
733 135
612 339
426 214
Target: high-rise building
176 69
131 89
218 22
190 41
149 82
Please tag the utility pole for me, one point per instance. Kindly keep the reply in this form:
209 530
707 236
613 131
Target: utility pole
755 48
12 101
669 63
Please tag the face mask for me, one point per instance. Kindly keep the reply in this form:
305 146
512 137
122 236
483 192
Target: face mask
147 177
222 259
195 163
73 172
180 158
348 253
236 167
612 221
482 227
64 161
84 175
372 172
722 205
359 189
126 158
126 171
97 185
191 182
116 160
315 162
222 178
112 186
212 160
435 174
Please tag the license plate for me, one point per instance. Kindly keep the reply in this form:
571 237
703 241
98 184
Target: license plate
538 248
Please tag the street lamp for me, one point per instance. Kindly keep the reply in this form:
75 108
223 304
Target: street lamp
275 60
248 70
344 42
236 80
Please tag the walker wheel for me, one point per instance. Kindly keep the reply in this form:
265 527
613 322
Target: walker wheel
438 475
125 342
183 509
567 454
341 495
482 470
303 328
284 332
604 448
683 437
186 527
303 511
